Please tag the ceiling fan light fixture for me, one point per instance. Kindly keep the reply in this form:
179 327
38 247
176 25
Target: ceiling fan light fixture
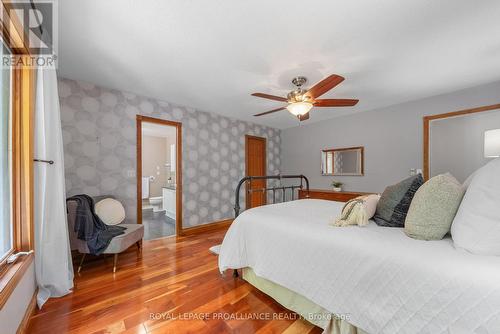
299 108
300 100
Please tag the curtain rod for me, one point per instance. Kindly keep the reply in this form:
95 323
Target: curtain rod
50 162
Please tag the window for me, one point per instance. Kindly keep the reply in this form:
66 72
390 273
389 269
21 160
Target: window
6 227
17 94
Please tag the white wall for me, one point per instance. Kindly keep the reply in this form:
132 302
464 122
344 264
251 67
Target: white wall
457 144
13 311
155 154
392 138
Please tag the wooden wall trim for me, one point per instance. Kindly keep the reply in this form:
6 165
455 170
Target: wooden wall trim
138 169
463 112
426 149
23 87
178 172
207 227
426 129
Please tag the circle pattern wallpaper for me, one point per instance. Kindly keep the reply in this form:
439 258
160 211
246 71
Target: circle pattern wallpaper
99 136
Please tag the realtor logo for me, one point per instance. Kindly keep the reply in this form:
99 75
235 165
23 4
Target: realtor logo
30 28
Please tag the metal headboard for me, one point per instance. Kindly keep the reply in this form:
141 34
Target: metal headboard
281 188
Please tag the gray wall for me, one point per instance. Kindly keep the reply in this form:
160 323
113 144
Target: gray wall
457 144
99 138
392 138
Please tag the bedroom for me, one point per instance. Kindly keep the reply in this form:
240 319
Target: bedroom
372 105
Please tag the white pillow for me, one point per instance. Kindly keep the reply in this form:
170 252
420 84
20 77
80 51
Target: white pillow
476 226
358 211
370 203
110 211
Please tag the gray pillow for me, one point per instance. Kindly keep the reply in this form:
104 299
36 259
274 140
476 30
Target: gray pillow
395 202
434 207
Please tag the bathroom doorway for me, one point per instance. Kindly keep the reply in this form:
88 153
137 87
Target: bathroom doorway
159 177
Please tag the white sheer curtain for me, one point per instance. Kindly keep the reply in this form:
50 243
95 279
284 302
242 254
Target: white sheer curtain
53 266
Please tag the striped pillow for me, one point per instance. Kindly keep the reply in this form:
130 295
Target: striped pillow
395 202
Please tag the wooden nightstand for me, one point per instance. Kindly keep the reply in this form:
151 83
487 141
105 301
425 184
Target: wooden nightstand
330 195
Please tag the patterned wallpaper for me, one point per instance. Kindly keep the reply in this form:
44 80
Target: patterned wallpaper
99 137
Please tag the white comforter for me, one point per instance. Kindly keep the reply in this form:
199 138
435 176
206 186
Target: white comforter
384 281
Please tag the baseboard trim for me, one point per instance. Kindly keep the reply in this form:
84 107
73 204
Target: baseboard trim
23 326
217 225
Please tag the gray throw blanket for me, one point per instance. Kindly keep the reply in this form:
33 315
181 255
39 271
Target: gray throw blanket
90 228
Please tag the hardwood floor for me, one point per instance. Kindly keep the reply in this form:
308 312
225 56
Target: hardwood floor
175 287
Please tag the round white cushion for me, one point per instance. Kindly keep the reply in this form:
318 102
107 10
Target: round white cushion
110 211
476 226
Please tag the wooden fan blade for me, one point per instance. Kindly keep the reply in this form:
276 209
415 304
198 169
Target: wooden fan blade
303 117
270 111
324 86
335 102
270 97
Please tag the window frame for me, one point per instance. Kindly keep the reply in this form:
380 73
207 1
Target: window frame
3 258
22 111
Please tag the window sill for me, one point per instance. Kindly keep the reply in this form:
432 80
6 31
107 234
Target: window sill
11 277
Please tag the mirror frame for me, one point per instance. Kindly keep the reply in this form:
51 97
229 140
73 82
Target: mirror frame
362 150
427 120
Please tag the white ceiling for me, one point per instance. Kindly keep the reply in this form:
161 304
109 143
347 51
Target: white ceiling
211 55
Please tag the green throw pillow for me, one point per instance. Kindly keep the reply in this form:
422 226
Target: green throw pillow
395 202
433 208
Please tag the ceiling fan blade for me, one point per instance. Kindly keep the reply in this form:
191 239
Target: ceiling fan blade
335 102
270 111
324 86
270 97
303 117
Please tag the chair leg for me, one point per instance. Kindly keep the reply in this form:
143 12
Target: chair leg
115 261
81 263
139 246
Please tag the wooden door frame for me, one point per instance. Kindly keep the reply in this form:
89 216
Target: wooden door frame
426 128
178 170
247 137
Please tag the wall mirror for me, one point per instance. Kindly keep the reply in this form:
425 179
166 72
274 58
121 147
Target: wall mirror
461 142
342 161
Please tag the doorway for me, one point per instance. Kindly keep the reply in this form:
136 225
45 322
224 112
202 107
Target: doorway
255 165
159 177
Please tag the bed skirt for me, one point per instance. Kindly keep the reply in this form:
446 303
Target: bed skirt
313 313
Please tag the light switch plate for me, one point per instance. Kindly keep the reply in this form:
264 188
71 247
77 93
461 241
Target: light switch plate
415 171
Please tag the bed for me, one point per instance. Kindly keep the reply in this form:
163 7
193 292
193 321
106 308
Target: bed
374 279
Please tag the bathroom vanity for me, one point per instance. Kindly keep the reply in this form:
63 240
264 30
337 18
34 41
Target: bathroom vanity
169 200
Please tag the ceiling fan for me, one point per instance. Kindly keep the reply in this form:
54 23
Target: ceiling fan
300 101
